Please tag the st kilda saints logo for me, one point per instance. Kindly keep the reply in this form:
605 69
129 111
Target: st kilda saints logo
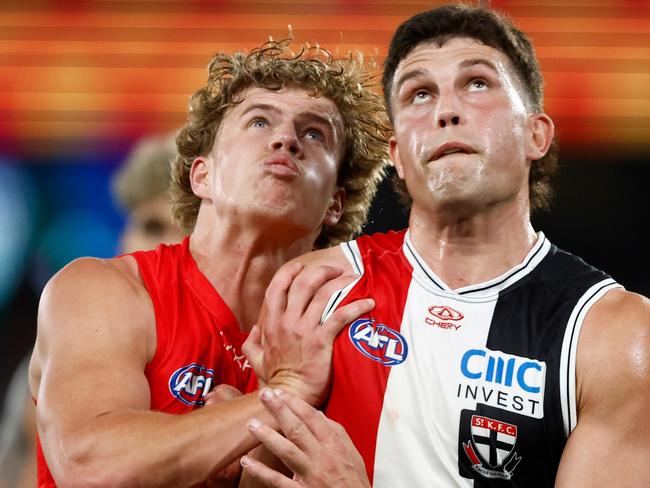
491 448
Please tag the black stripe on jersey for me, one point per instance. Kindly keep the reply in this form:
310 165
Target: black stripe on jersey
608 283
333 303
354 257
423 268
508 276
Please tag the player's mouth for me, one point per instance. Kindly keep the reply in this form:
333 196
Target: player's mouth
448 148
282 165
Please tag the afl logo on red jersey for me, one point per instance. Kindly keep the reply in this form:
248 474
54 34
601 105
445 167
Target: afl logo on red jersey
191 383
378 342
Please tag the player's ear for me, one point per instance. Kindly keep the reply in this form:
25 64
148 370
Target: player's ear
335 208
541 132
394 157
199 177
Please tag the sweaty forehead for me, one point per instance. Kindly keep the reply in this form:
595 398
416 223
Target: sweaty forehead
431 56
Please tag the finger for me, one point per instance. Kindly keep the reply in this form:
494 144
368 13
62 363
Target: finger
226 476
326 292
306 285
281 447
254 352
294 429
265 475
318 424
275 298
344 315
221 393
231 471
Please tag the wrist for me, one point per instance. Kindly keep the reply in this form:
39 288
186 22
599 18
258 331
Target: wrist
296 387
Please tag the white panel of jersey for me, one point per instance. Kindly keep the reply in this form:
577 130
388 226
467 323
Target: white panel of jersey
441 387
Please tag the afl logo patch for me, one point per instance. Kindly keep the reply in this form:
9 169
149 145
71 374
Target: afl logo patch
378 342
191 383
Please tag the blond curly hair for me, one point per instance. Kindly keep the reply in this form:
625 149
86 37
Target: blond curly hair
348 82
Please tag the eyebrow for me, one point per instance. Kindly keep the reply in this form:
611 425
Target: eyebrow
305 115
260 106
414 73
467 63
319 119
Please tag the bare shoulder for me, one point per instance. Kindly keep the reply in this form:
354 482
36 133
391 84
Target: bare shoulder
613 362
332 256
611 441
91 283
89 302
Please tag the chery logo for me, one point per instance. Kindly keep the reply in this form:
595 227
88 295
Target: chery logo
444 317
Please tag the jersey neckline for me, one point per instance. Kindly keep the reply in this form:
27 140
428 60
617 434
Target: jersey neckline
487 289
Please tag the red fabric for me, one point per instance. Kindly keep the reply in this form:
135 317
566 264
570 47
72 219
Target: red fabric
197 336
386 278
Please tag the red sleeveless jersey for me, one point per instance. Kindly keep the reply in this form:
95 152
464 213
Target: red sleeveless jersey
198 340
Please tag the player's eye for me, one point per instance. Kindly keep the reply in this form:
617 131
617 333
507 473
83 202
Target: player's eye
314 134
477 84
259 123
420 96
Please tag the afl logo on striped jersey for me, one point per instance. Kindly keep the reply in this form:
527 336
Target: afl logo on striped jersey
191 383
378 342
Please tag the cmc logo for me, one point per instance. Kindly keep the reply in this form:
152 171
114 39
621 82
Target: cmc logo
378 342
191 383
503 369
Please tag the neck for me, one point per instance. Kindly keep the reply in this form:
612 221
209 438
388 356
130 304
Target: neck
470 249
239 260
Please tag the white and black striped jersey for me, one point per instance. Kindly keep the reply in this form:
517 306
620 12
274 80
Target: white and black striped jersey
466 387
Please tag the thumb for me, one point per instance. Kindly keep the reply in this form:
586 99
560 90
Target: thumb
344 315
221 393
254 352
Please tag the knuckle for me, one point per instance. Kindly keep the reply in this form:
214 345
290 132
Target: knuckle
295 431
319 274
311 414
340 316
275 479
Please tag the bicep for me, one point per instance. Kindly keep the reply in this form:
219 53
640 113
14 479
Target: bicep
610 445
92 349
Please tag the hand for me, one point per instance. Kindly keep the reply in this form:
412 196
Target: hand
316 449
228 475
289 348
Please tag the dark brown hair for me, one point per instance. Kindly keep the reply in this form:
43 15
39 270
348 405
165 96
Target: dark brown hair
494 30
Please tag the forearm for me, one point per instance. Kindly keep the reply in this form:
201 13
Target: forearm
144 448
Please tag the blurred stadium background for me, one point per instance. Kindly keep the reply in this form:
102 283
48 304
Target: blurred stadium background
81 81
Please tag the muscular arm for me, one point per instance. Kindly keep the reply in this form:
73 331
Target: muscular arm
610 445
95 337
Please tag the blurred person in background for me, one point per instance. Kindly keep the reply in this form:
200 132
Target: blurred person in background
281 154
141 187
17 423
